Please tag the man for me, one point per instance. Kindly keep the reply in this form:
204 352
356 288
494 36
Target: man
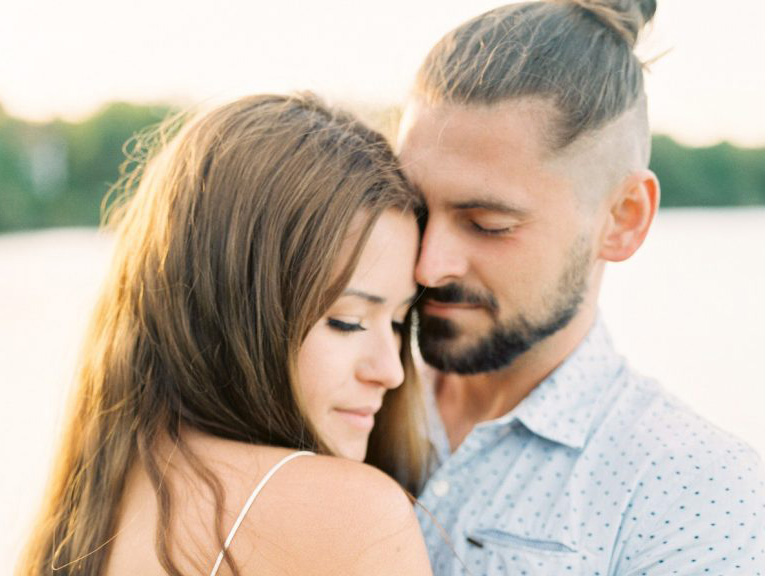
527 136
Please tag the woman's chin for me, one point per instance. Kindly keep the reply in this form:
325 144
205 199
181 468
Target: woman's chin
349 450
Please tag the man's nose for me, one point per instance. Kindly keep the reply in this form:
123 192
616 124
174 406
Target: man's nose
442 257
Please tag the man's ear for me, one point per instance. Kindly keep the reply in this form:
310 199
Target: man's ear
633 208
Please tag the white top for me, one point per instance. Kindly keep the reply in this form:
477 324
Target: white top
249 502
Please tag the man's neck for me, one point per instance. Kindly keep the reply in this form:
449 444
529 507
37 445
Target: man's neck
467 400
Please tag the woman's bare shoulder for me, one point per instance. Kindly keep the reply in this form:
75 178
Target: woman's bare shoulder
322 513
348 481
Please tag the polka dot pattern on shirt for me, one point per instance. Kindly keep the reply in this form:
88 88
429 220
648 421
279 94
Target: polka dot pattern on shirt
600 472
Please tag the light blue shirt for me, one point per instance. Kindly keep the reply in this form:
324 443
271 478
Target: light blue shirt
596 472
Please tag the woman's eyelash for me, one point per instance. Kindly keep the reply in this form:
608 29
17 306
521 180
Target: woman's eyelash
345 326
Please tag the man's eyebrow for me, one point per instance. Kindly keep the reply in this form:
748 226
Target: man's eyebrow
490 205
374 299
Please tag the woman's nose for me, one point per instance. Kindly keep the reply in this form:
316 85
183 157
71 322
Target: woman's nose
381 363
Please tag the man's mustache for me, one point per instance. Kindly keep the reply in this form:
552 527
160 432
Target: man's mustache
457 294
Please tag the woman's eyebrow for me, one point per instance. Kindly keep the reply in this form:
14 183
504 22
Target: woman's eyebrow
374 299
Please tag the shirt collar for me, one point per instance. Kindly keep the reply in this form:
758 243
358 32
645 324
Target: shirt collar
563 407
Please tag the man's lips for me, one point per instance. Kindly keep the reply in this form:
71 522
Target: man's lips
436 307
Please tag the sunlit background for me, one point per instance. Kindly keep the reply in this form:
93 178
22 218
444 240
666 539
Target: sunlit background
68 58
689 308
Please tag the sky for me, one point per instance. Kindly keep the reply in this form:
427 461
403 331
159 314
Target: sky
65 59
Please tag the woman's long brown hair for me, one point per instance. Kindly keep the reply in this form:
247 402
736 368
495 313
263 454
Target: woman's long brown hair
226 246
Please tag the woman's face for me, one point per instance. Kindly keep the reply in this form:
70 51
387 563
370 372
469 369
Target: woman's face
351 356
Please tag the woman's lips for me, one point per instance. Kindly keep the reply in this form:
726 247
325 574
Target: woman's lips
362 418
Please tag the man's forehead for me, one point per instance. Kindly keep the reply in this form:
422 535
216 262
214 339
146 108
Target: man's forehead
494 158
449 127
467 191
538 111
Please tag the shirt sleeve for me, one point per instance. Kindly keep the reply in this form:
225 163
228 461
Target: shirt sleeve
715 524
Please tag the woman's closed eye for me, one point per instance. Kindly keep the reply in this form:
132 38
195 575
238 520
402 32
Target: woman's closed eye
344 326
399 328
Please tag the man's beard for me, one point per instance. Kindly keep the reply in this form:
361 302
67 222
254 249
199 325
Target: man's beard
507 340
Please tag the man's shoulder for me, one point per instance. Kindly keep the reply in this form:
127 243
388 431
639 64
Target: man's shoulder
662 451
678 483
690 486
655 423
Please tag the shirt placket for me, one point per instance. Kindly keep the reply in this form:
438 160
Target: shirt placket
452 486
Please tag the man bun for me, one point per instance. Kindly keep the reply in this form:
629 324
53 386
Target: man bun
578 55
625 17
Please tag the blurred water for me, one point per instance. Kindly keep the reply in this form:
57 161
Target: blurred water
688 308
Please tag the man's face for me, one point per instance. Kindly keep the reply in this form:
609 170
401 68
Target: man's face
506 253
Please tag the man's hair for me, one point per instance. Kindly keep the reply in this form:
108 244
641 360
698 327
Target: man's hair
577 55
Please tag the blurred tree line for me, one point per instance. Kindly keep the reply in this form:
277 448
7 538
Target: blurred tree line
57 173
720 175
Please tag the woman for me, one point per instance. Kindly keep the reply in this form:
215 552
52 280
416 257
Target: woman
258 305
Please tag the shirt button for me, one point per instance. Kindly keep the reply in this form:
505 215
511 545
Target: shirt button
440 488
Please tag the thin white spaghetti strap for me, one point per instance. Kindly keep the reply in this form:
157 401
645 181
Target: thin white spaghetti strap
249 502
